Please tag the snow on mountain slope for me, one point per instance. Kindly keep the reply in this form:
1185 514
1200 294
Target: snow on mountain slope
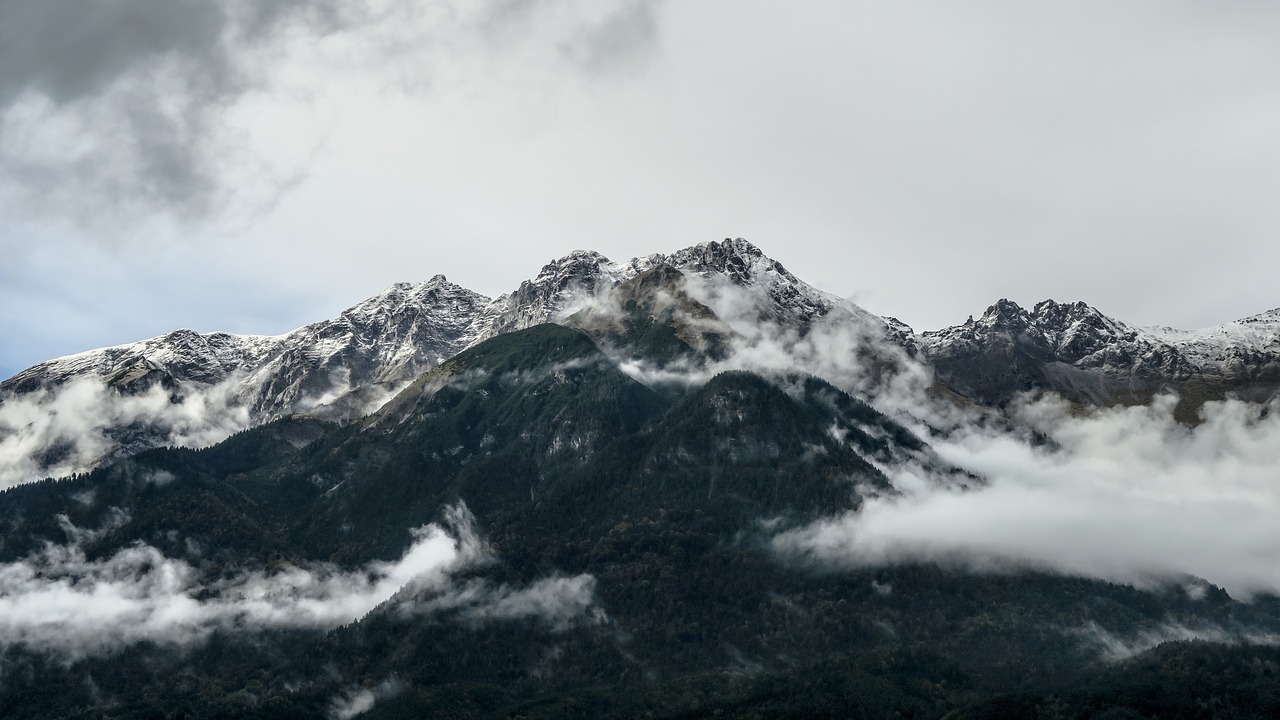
406 329
788 299
388 339
561 285
1075 350
570 283
193 388
1073 333
1069 348
188 388
1247 346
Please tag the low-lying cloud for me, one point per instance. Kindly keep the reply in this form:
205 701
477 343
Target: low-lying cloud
1116 647
53 432
59 601
846 346
556 602
358 701
1123 494
60 430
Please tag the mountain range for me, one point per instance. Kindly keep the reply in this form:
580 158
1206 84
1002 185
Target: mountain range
687 485
348 366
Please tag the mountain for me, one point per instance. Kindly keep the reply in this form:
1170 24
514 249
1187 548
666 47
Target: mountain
1076 351
1245 352
688 308
772 293
188 388
396 334
694 494
528 531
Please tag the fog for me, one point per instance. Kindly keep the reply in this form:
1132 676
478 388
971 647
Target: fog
1114 648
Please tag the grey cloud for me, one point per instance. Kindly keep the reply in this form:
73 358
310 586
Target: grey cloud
558 602
127 107
613 42
121 103
67 51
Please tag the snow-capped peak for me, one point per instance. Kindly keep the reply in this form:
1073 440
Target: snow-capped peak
569 283
1232 347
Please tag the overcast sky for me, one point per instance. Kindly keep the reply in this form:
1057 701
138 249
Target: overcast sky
252 166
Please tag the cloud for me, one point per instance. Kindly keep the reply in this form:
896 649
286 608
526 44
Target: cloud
59 601
558 602
1115 647
55 431
1122 494
616 38
847 346
358 701
125 103
141 106
70 428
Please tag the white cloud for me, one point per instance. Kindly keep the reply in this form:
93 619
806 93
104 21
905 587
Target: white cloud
358 701
557 602
1127 495
846 347
1115 647
59 601
59 431
73 427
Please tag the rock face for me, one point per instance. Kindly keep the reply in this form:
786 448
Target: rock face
1076 351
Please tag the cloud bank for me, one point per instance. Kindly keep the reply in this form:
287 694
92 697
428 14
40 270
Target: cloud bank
60 602
1122 494
1114 648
